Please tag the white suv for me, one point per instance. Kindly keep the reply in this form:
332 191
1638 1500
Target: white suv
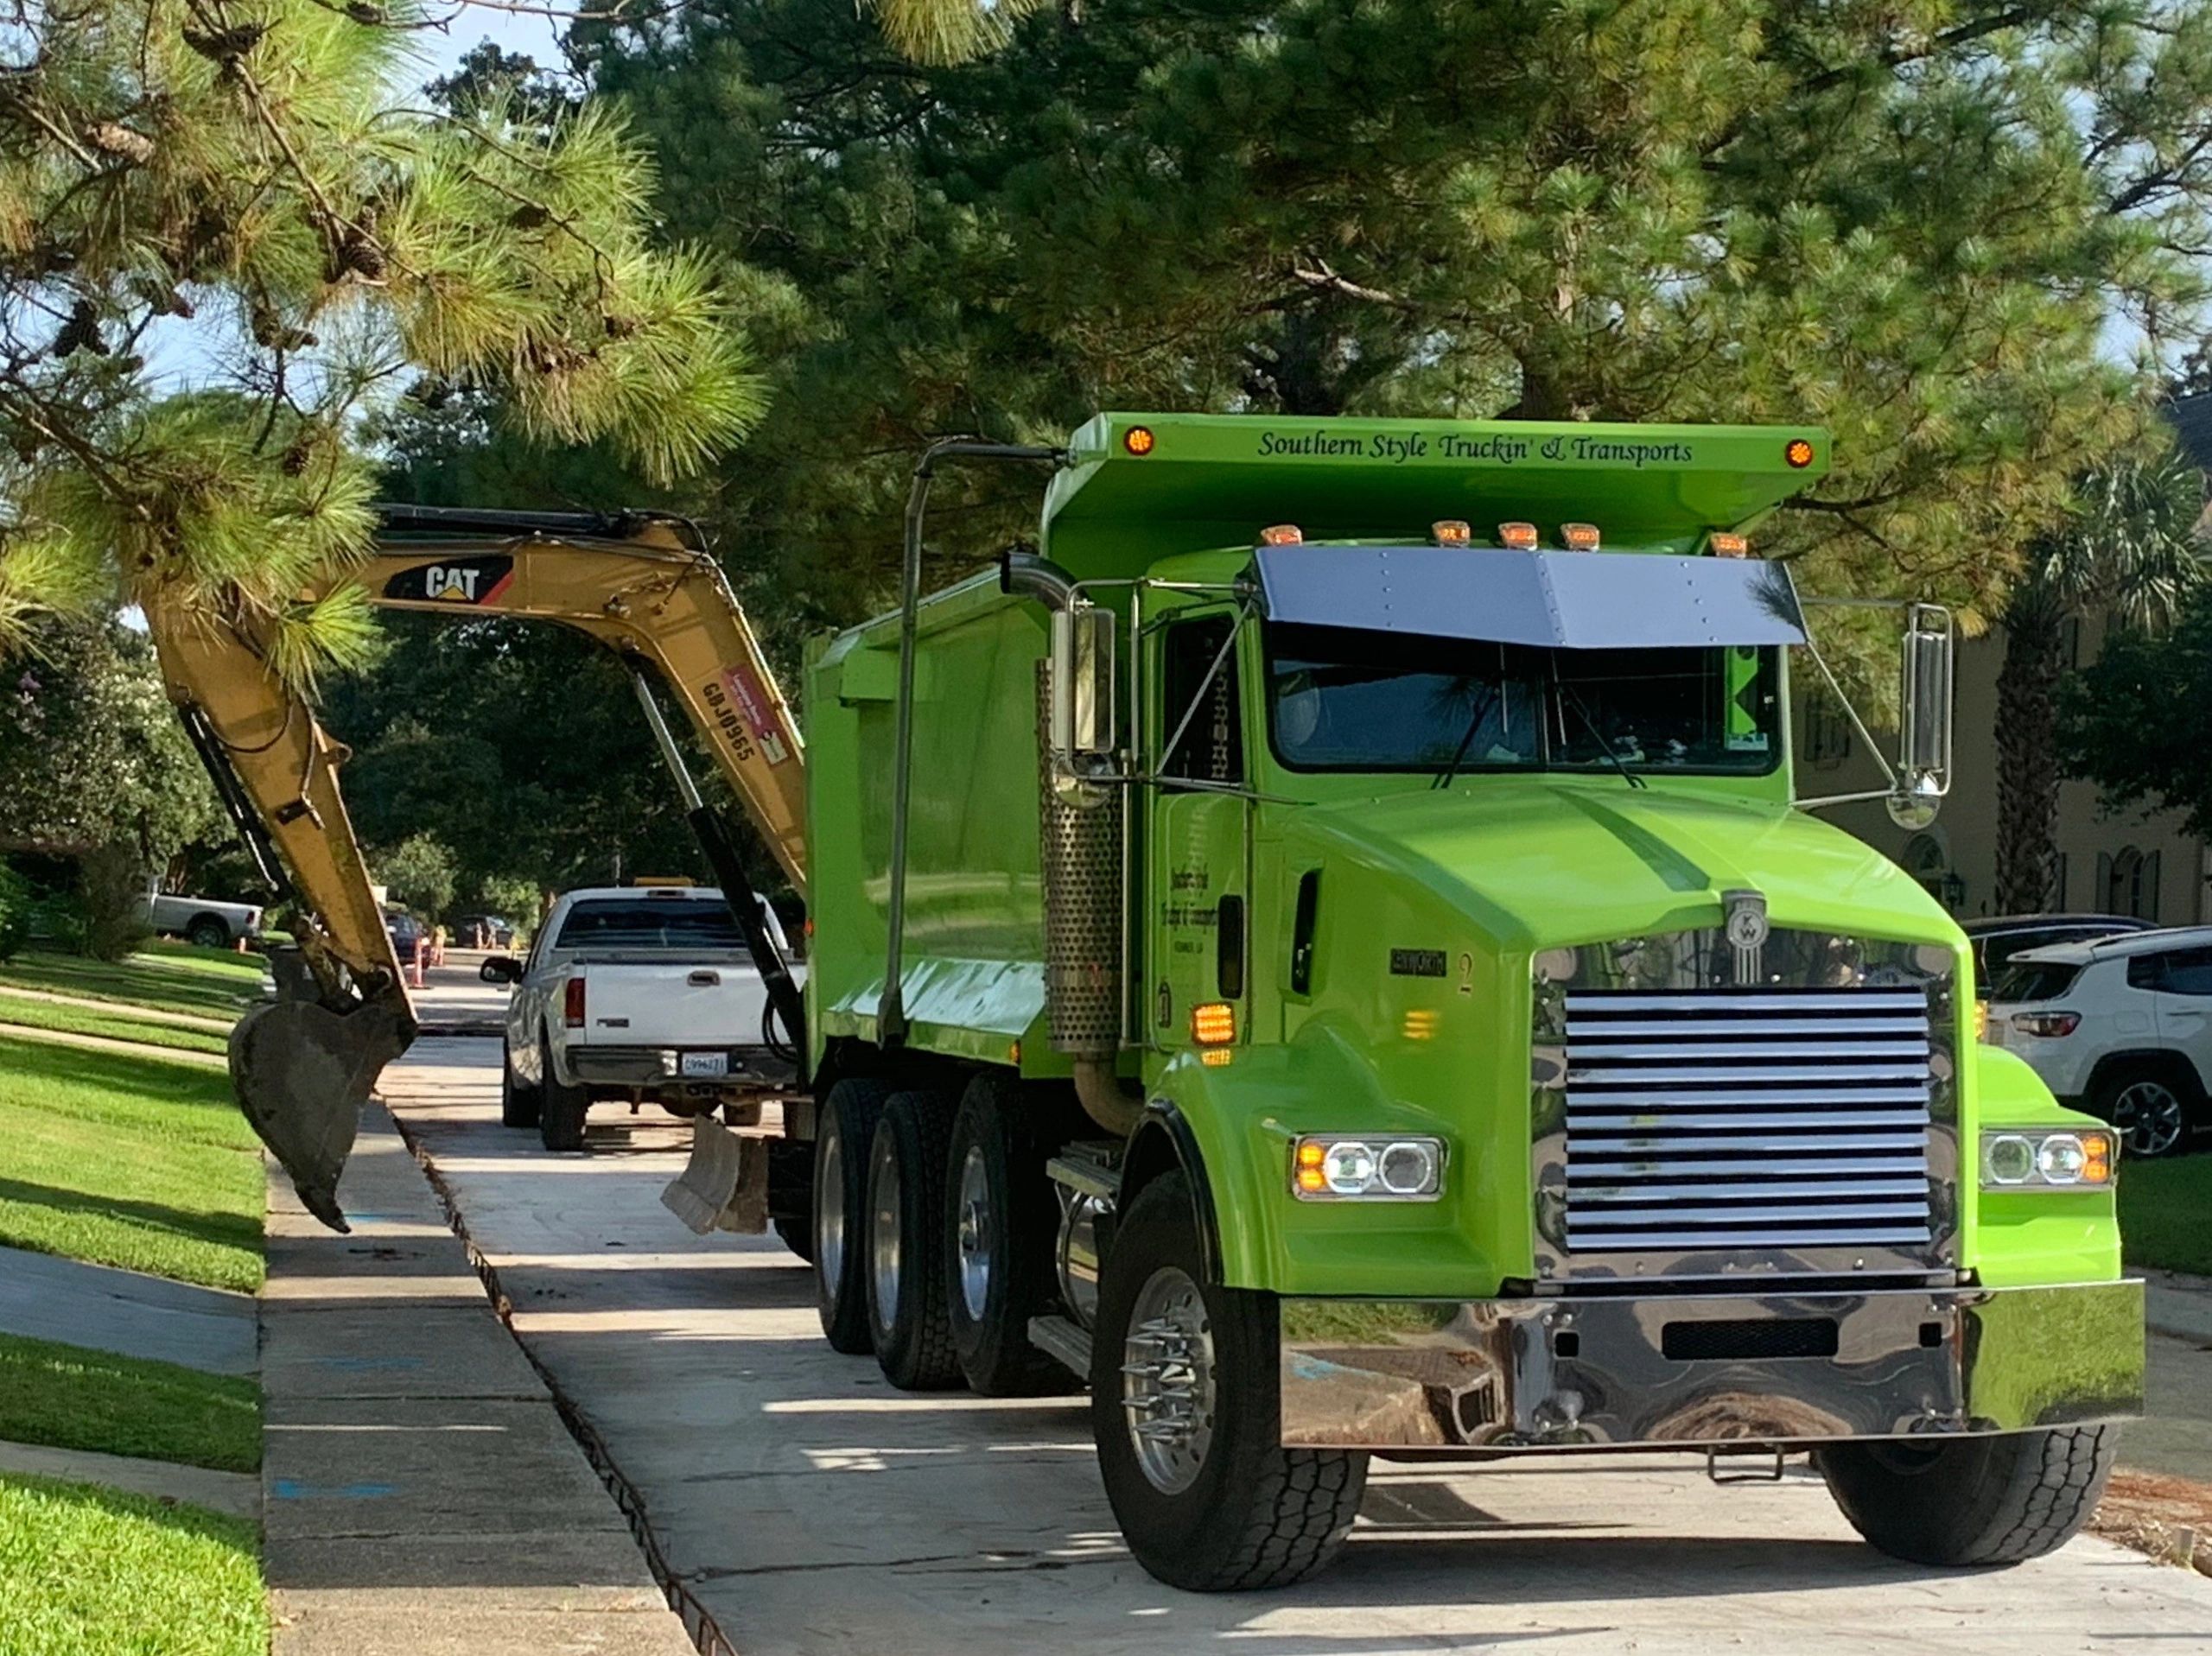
2121 1027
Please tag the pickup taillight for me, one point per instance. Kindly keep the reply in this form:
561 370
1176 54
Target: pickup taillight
572 1007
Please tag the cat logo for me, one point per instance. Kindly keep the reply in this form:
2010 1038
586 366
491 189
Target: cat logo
476 581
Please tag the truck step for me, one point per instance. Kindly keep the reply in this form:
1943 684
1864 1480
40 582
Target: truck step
1085 1169
1064 1342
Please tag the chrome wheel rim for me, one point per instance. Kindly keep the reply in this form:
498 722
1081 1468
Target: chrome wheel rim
830 1210
883 1231
975 1234
1167 1384
2149 1116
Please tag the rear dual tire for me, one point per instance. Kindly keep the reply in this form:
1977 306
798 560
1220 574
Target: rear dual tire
1001 1226
844 1140
910 1324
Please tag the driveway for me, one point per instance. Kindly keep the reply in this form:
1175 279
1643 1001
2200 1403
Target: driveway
814 1509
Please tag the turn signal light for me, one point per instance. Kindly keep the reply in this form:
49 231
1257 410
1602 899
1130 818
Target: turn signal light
1452 531
1138 440
1724 545
1518 537
1579 537
1213 1023
1282 534
1799 453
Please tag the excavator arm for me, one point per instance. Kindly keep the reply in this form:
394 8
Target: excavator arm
643 586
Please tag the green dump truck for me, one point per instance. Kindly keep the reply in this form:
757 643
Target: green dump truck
1324 951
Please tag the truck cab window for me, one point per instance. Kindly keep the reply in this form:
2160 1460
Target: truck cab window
1212 744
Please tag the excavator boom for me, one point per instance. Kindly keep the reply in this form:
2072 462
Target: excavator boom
642 585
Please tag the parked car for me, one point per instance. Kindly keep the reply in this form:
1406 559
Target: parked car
405 931
1997 938
2121 1027
206 921
483 931
647 994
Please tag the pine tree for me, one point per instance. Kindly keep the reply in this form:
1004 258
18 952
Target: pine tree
259 173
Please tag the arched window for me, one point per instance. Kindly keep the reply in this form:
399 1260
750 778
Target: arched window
2127 882
1927 861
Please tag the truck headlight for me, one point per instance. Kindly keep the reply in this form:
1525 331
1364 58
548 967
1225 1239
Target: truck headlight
1334 1167
2035 1160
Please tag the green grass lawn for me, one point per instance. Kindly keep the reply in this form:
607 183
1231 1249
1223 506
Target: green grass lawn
2165 1213
117 1025
95 1573
139 1162
171 977
70 1398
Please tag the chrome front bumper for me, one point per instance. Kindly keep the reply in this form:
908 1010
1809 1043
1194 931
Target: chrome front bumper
1654 1370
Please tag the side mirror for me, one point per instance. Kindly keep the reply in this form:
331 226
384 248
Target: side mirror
500 968
1082 719
1924 717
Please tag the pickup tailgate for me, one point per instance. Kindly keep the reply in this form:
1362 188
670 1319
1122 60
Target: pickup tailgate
684 1004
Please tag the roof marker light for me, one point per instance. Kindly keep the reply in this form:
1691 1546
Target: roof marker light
1282 534
1518 537
1452 531
1722 544
1579 537
1799 453
1138 440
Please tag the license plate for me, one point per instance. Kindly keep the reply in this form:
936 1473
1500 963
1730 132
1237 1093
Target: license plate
703 1066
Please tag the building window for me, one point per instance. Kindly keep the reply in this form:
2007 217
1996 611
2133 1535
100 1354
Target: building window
1926 860
2127 883
1827 731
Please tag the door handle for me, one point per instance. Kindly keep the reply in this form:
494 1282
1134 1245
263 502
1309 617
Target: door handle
704 979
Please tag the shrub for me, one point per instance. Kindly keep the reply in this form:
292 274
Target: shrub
16 900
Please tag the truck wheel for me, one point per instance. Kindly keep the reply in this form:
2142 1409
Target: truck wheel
1997 1500
1003 1222
1186 1406
841 1152
518 1105
795 1236
561 1110
208 932
911 1330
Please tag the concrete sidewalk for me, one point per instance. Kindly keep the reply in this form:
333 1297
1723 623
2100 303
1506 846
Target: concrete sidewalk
132 1315
423 1497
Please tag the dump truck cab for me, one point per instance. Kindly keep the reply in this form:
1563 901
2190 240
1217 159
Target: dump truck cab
1418 906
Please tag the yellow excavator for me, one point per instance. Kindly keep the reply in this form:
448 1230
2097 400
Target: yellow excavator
642 584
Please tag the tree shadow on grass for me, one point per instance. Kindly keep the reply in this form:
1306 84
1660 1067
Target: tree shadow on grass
210 1226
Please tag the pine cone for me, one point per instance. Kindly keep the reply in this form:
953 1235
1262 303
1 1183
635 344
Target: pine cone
529 216
119 141
298 455
360 253
362 12
80 333
620 327
225 45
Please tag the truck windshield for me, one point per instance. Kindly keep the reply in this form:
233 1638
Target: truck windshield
646 922
1341 699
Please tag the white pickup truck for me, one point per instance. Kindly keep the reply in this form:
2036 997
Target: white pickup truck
641 994
202 920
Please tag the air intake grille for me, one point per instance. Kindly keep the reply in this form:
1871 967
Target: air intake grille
1761 1119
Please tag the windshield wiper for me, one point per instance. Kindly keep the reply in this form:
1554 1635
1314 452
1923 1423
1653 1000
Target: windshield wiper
1604 747
1459 753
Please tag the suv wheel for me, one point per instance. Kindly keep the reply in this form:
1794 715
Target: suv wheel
2148 1109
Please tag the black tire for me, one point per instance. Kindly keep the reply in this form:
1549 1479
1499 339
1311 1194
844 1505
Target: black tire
845 1134
208 932
518 1105
561 1110
1001 1223
2156 1106
907 1232
1996 1500
1253 1513
795 1236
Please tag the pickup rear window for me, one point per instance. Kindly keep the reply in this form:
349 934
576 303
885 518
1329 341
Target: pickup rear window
644 923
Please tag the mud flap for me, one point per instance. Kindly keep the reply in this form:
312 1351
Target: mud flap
725 1184
302 1072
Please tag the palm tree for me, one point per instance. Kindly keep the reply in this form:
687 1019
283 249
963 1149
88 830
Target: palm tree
2134 548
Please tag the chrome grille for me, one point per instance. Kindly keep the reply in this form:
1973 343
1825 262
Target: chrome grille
1751 1119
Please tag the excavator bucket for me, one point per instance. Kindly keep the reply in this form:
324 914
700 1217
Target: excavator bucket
302 1072
725 1184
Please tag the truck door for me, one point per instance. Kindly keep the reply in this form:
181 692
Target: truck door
1199 928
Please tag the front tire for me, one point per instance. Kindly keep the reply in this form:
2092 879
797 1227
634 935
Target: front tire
1003 1222
561 1110
1186 1406
518 1105
841 1154
1996 1500
907 1320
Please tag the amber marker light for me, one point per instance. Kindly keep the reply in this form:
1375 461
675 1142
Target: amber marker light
1213 1023
1420 1024
1310 1177
1723 545
1138 440
1518 537
2097 1159
1799 453
1452 532
1282 534
1579 537
1217 1058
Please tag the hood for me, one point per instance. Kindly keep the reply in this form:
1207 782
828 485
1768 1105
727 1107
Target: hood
1537 863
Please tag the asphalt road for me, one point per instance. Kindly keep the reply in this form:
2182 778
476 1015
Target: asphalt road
814 1509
